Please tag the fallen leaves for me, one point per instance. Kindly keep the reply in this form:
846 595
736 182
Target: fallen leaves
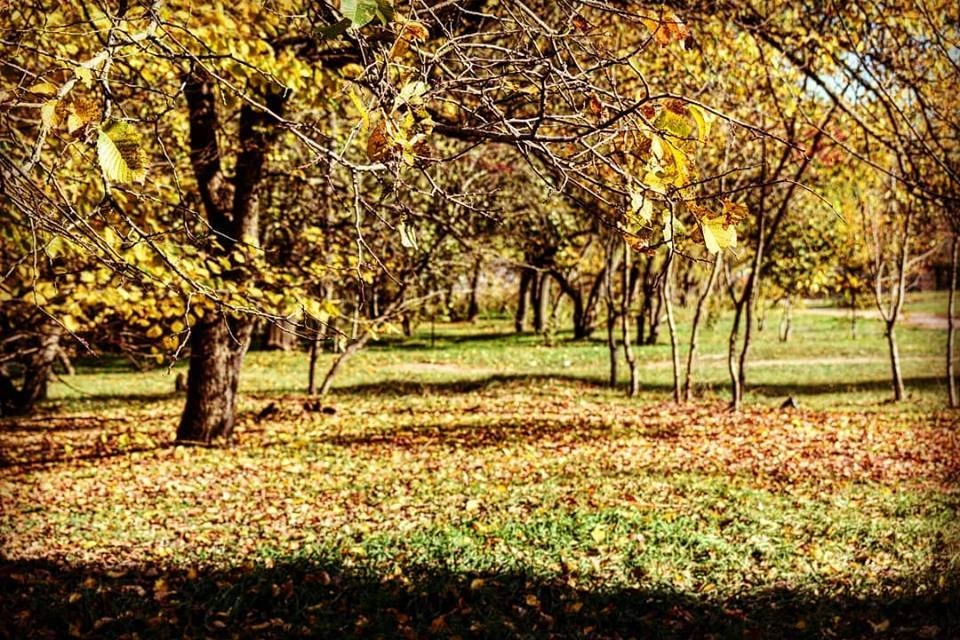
551 478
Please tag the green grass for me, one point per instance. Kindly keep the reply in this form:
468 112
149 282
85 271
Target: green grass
482 484
822 365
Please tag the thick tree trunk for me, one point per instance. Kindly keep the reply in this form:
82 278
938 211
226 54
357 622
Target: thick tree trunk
217 347
218 343
951 321
695 327
36 375
541 312
520 318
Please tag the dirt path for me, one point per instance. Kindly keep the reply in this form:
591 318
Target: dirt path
921 319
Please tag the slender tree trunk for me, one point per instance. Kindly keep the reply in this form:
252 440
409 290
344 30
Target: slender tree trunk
314 356
612 346
750 298
626 299
520 319
646 290
667 294
350 350
695 327
898 293
355 321
736 389
786 321
951 321
473 309
655 313
896 373
853 315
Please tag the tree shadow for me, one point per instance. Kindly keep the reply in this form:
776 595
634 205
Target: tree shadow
782 389
485 383
326 598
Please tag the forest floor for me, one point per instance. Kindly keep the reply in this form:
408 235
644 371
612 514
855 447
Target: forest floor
482 484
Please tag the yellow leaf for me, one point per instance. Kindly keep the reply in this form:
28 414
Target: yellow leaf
43 89
70 323
48 113
718 235
361 109
121 156
641 206
703 120
599 533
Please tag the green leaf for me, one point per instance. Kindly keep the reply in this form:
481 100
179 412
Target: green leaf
674 123
361 12
332 31
121 155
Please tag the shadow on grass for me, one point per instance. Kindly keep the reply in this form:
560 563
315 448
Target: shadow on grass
779 389
326 599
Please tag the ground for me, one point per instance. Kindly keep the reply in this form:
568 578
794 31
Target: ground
484 484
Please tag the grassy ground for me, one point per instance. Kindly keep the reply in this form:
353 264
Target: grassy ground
483 484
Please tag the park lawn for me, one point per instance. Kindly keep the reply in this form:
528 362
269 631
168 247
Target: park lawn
491 486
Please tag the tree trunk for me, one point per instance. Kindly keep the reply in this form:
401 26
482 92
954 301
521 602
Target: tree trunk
281 336
667 294
749 303
314 356
736 390
216 353
897 375
786 321
951 322
655 313
853 316
473 309
520 319
542 308
612 346
348 353
626 299
695 327
645 288
36 375
218 342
